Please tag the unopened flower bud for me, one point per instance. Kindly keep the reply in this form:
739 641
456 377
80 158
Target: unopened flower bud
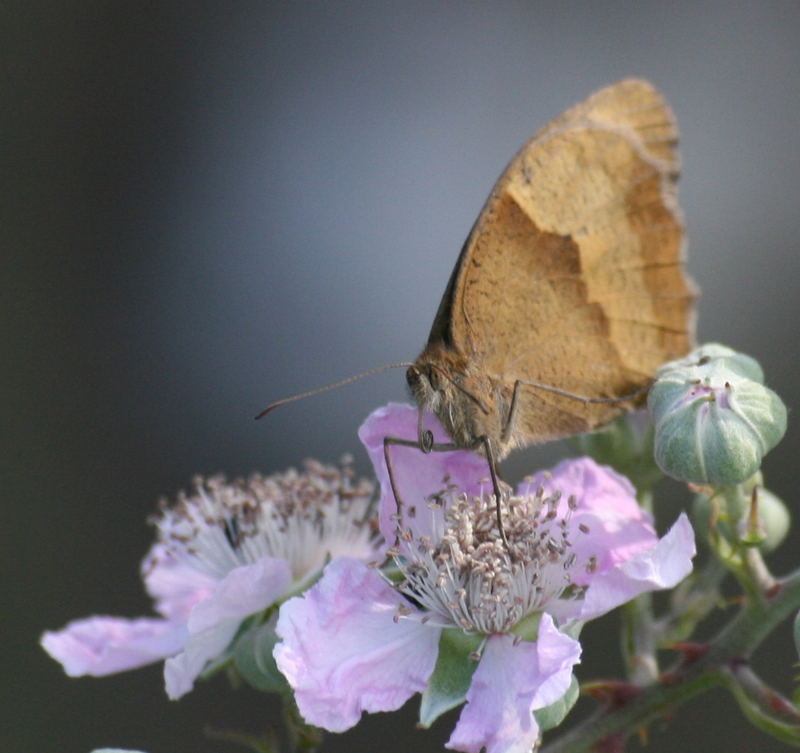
773 517
701 357
714 419
747 513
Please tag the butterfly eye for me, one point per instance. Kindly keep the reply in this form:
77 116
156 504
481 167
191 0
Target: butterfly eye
412 376
434 378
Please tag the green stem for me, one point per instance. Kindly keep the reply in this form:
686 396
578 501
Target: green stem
757 569
762 705
733 645
691 602
639 640
638 635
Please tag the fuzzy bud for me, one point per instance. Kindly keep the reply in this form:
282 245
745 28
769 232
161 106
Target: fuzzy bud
714 418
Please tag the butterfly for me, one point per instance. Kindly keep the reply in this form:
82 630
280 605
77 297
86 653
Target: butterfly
570 290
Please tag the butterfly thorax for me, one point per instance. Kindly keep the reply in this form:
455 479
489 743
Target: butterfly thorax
469 403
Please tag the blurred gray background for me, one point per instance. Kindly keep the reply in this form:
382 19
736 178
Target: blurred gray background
208 206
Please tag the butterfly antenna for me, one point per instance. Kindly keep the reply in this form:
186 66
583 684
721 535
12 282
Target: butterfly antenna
378 370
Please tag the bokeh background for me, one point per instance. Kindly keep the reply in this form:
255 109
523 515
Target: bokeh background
207 206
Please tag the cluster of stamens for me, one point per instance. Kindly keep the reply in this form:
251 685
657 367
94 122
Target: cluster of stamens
466 574
301 516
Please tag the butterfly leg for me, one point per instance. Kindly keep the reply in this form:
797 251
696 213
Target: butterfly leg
387 456
512 411
426 444
483 441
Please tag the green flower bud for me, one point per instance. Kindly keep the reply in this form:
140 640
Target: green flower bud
705 355
714 419
736 520
774 518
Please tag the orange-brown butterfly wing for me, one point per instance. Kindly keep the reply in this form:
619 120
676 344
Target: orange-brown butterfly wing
573 275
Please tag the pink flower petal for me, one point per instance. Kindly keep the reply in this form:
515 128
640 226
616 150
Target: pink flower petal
243 591
664 565
510 683
608 525
182 670
101 646
342 651
174 585
416 474
213 623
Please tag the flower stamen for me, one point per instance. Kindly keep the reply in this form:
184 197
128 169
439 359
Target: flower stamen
473 579
304 517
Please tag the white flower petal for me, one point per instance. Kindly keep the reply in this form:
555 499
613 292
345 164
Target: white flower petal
510 683
343 652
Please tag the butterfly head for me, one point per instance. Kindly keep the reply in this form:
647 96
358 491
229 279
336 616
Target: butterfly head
428 386
438 382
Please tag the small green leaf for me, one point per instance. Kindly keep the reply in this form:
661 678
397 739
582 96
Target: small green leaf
552 715
448 685
528 627
252 657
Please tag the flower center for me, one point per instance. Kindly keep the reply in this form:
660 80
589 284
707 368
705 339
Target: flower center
468 576
304 517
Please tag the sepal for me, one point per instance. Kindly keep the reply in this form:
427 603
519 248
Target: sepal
253 660
551 716
448 685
